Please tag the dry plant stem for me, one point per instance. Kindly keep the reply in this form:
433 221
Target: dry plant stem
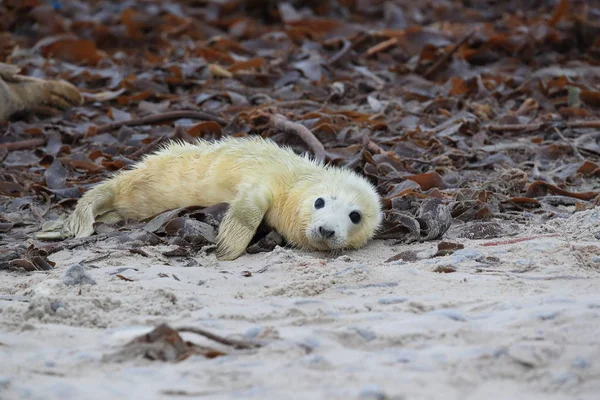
23 144
435 67
281 123
341 53
584 124
376 149
237 344
163 117
379 47
537 126
513 127
518 240
571 145
69 244
296 103
146 149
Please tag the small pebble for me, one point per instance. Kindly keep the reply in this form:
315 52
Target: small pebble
366 334
316 361
311 343
77 275
467 254
564 378
27 327
4 382
56 304
405 356
547 315
580 363
253 332
372 392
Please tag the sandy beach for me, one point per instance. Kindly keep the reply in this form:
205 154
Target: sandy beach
518 318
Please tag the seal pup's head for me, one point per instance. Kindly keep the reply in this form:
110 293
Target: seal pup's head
340 211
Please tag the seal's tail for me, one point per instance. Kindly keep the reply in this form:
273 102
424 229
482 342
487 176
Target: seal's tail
94 203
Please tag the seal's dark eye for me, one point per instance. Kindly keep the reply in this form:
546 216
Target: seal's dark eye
319 203
354 217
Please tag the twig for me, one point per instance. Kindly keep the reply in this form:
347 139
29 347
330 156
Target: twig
561 10
146 149
23 144
281 123
70 244
237 344
533 278
541 188
540 125
124 278
367 73
514 127
296 103
376 149
163 117
435 67
584 124
379 47
571 145
341 53
519 240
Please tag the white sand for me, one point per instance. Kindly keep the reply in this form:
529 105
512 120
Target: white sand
526 326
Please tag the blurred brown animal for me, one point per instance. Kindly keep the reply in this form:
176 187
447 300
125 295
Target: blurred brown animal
24 94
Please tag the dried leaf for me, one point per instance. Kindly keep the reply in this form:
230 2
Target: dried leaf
591 98
70 49
161 344
245 65
589 168
428 180
540 189
204 128
434 218
56 175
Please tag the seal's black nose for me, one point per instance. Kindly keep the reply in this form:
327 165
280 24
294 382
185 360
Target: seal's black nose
326 233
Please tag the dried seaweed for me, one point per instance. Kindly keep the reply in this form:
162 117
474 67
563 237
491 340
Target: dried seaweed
163 343
470 113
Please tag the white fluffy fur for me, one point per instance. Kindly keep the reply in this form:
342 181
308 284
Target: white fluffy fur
257 178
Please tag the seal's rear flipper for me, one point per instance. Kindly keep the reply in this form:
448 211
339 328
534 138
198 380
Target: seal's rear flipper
94 206
97 204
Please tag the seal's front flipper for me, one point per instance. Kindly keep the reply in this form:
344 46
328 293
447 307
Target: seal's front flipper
241 221
19 93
